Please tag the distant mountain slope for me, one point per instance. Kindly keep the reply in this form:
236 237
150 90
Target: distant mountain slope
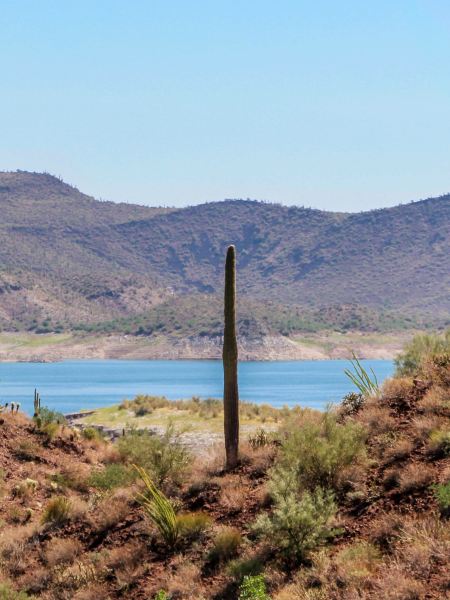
67 259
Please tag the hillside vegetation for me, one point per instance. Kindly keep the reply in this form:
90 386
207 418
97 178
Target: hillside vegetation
352 503
69 262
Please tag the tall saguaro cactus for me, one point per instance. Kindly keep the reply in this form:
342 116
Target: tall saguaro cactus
230 364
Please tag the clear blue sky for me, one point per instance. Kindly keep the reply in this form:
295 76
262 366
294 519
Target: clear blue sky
337 105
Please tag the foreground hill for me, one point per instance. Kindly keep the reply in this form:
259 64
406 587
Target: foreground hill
69 262
335 506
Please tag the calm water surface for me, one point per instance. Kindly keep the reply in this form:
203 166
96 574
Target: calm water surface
73 385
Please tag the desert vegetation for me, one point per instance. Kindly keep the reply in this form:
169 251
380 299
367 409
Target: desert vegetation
350 503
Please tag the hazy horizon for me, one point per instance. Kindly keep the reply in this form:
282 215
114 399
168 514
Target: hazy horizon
338 107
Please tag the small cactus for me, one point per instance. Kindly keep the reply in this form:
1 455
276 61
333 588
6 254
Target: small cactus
37 404
12 406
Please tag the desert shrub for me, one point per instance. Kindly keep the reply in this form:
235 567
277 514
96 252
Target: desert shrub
253 587
414 477
8 593
73 476
358 561
421 348
142 404
397 389
226 544
47 416
91 434
161 595
61 551
377 419
435 401
261 438
50 430
316 451
386 530
192 525
352 402
298 523
112 476
110 512
163 457
442 495
436 368
241 567
27 450
57 511
159 509
440 442
25 488
400 449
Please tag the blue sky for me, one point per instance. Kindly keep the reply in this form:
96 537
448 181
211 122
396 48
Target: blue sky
335 105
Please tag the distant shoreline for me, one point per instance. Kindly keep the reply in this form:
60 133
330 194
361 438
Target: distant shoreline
42 348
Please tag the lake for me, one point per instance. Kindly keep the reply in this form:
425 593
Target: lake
70 386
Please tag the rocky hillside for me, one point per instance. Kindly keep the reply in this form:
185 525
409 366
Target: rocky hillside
67 260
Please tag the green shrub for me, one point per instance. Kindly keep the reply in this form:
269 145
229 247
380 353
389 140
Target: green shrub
440 441
47 416
8 593
192 525
226 544
419 349
298 523
442 495
112 476
159 509
57 511
253 588
241 567
161 595
316 451
163 457
50 430
91 434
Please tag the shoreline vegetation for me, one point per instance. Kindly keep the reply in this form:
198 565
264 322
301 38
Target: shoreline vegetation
54 347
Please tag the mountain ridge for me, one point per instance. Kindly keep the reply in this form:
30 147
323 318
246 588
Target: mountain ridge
68 260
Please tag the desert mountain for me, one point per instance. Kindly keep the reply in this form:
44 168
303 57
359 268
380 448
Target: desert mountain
68 260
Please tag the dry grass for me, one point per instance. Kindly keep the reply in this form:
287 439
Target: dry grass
423 426
395 584
377 419
435 402
110 512
62 551
400 449
413 477
74 476
397 389
232 497
386 529
14 548
183 584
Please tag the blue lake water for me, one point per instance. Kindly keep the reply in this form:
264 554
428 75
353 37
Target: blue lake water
73 385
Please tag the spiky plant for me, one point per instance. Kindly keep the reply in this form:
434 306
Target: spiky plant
230 363
159 509
366 385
